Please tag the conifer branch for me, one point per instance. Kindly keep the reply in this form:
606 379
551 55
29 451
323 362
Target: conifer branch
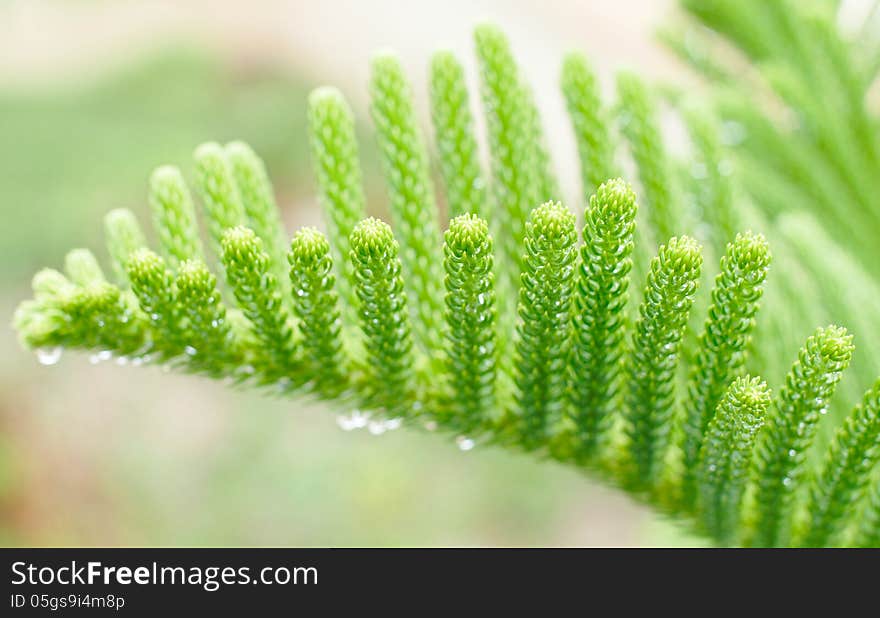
454 134
722 345
413 209
599 318
663 314
545 320
726 454
782 445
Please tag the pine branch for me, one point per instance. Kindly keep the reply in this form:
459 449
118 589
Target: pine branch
846 472
595 146
515 175
470 322
722 345
641 129
340 186
384 317
248 272
567 374
545 321
219 191
124 236
456 142
212 346
782 446
663 315
174 216
726 454
317 306
413 210
599 319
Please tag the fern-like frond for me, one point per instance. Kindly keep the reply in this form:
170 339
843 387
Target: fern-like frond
529 341
846 472
411 191
725 456
781 450
470 322
456 142
543 330
599 317
722 345
650 384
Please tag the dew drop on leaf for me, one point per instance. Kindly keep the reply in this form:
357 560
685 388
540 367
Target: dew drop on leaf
464 443
49 356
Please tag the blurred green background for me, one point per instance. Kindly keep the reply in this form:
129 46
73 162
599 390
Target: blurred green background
93 96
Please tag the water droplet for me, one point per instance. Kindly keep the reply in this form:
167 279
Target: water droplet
122 360
154 317
464 443
712 467
376 427
104 355
355 420
393 423
190 351
786 481
49 356
792 452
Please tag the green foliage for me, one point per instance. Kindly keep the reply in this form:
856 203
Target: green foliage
340 185
846 473
411 192
153 284
515 177
599 319
869 531
470 321
211 346
726 453
248 271
258 200
722 345
124 237
572 370
807 167
591 127
456 143
640 126
543 332
202 95
384 316
316 304
174 216
782 446
669 294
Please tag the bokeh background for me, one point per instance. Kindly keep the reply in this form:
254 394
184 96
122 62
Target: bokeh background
93 95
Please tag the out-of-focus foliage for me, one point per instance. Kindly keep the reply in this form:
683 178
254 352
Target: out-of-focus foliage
789 87
74 150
